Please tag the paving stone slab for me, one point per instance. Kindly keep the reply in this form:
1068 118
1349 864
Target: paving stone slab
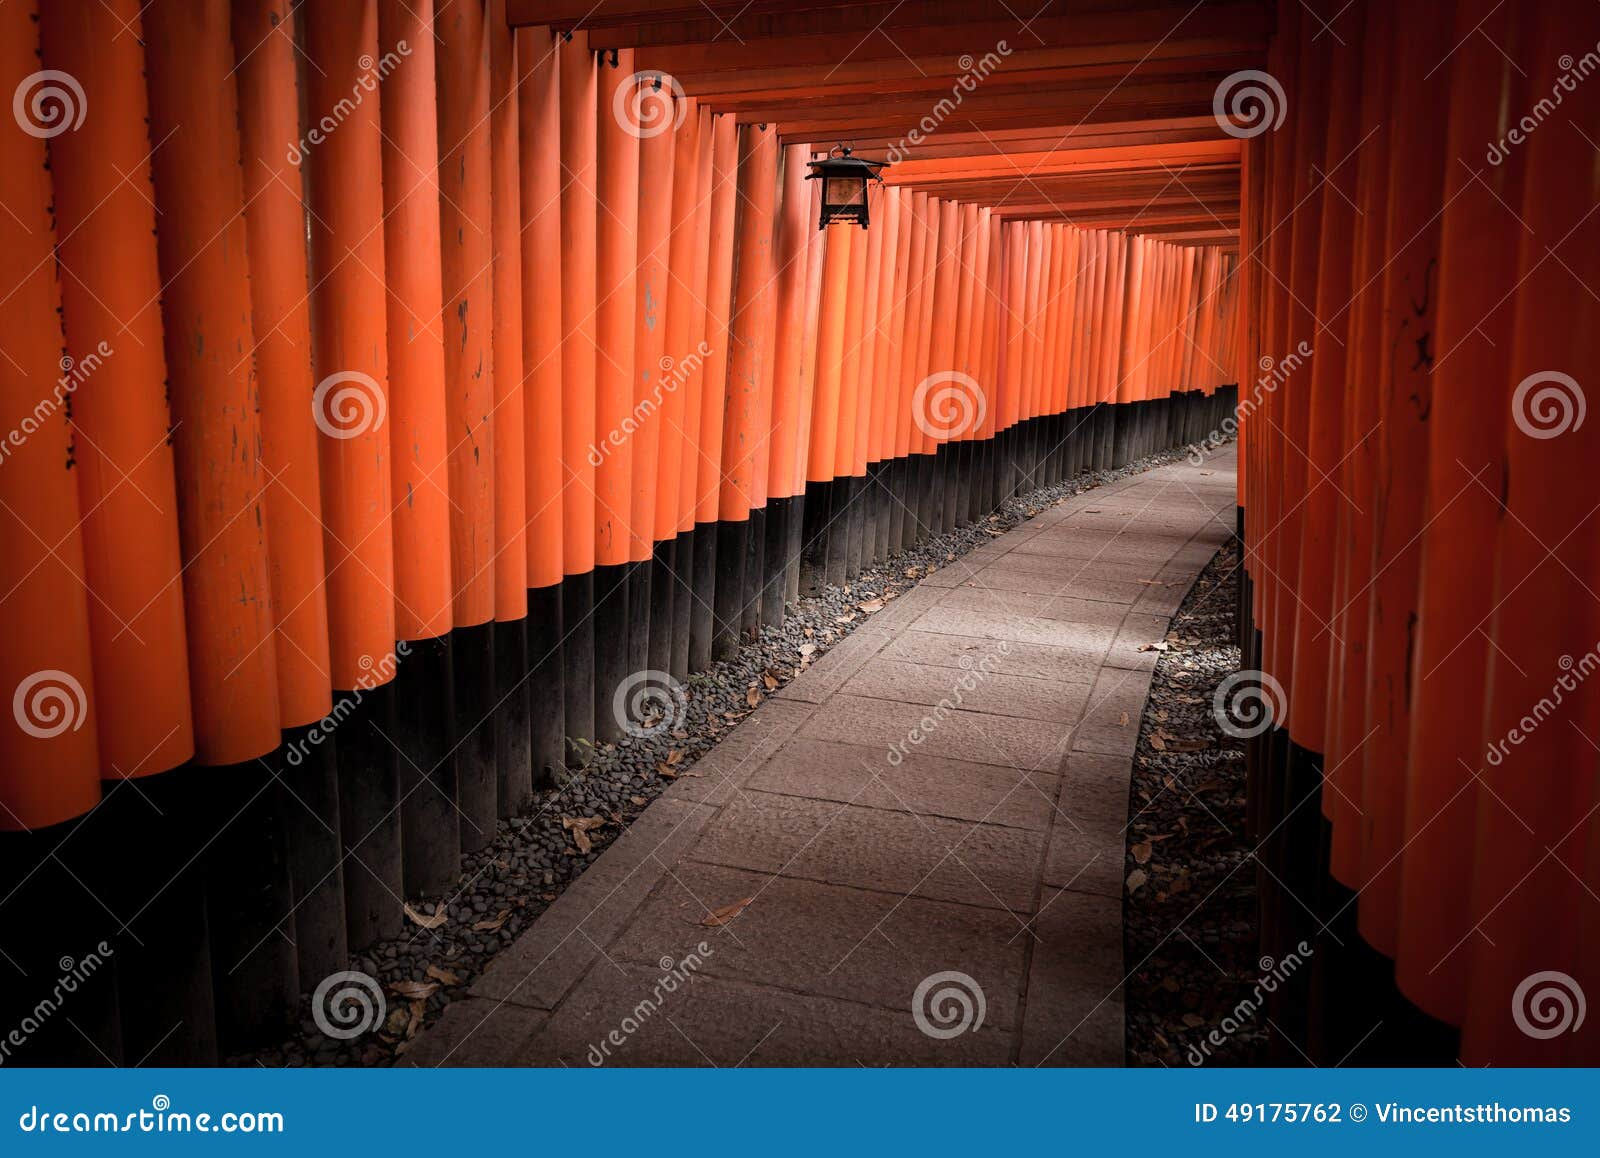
1062 602
827 941
844 844
714 777
995 623
1010 741
1074 1014
713 1021
1066 665
1135 646
1110 722
1005 580
977 689
834 666
476 1032
923 783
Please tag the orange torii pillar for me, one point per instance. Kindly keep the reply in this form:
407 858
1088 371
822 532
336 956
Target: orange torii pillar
202 244
424 725
50 746
748 377
720 203
680 418
579 85
823 547
266 57
616 273
794 237
512 702
885 343
466 267
540 200
349 356
653 386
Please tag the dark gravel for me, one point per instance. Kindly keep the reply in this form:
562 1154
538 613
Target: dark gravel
1189 904
506 886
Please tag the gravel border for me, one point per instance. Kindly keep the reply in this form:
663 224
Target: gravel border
1189 899
505 886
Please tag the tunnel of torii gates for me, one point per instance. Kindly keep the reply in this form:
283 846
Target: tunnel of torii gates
386 385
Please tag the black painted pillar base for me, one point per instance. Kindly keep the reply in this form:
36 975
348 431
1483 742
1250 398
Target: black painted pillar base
733 538
255 972
794 545
547 725
427 713
774 561
814 537
702 616
663 598
755 565
611 647
477 780
895 488
641 593
577 654
369 814
683 597
57 927
513 722
316 868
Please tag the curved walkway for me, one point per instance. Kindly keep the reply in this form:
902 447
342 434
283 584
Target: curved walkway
943 793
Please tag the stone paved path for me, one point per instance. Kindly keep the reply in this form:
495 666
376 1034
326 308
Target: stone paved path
944 792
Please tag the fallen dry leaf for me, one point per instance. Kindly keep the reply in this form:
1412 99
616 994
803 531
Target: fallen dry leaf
442 976
1141 852
807 649
752 697
847 617
414 990
719 917
427 922
639 800
871 605
675 756
667 770
771 681
1153 646
492 925
1136 880
1122 720
1158 743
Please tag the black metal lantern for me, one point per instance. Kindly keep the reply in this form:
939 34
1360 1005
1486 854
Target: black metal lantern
844 185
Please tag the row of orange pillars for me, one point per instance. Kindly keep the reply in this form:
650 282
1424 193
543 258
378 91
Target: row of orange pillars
1422 264
385 389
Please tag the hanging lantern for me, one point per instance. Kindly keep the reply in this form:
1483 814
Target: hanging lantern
844 185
